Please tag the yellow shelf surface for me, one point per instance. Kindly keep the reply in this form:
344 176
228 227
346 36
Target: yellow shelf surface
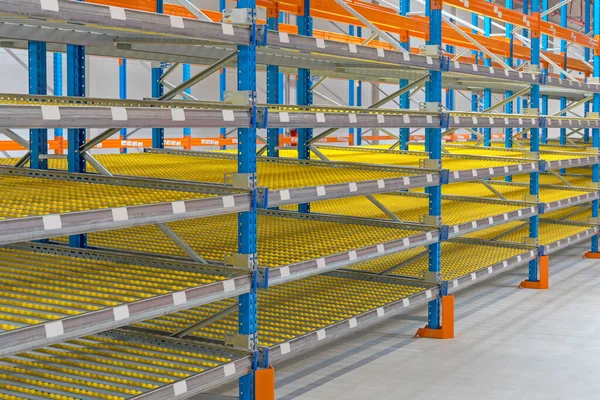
25 196
548 179
519 230
293 309
111 367
37 288
281 240
458 259
411 207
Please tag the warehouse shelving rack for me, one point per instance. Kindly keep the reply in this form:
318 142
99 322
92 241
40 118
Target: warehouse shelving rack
141 34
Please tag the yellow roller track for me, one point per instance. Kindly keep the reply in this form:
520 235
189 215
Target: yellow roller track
578 213
215 238
411 208
549 232
206 169
293 309
99 367
40 287
511 192
24 197
385 157
458 259
547 179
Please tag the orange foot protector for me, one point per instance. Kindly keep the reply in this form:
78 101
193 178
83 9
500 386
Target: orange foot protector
589 254
543 282
447 329
265 384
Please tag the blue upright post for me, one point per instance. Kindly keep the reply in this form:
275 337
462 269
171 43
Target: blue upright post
57 61
187 132
487 93
223 79
404 99
303 93
586 30
76 88
247 311
351 90
38 83
474 95
273 88
509 107
434 143
596 131
535 136
359 95
123 94
158 134
450 92
545 72
563 52
521 102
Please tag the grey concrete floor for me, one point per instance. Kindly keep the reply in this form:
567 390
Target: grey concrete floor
510 344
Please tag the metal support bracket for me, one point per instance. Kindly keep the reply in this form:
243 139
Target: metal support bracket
261 35
239 16
433 220
247 261
431 50
263 278
430 107
238 97
262 117
431 164
263 357
531 198
531 241
240 341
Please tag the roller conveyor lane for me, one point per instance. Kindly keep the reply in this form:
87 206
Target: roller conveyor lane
462 167
51 294
117 365
38 205
329 242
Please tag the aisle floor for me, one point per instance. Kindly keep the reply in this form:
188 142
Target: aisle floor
517 344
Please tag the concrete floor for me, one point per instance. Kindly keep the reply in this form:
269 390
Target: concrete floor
510 344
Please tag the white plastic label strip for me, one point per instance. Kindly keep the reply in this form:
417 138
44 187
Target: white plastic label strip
179 207
228 201
285 271
49 5
117 13
321 191
177 114
321 334
320 118
321 263
284 194
228 116
179 298
353 323
380 119
380 184
229 369
352 118
380 312
380 248
50 113
121 313
405 302
284 117
284 37
180 388
428 294
352 48
176 22
120 214
352 255
228 285
353 187
320 43
54 329
53 221
285 348
228 29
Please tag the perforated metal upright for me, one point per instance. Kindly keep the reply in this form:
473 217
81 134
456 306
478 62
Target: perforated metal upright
38 138
596 109
76 87
509 107
404 99
587 54
123 94
187 132
534 179
544 110
158 134
247 230
57 61
433 136
563 53
487 92
304 95
273 83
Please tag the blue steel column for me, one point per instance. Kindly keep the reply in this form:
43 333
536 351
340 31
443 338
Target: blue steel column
351 91
404 99
586 30
450 92
223 79
596 109
544 110
534 180
58 91
509 107
38 82
123 94
247 311
522 102
158 134
187 132
359 86
434 143
563 52
303 93
76 88
487 93
273 89
474 95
